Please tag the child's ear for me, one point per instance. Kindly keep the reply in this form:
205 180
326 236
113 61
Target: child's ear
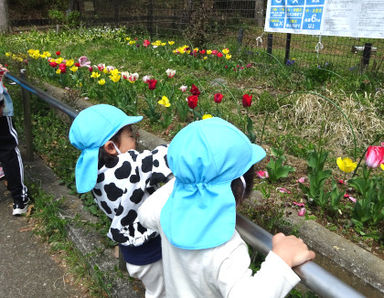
109 148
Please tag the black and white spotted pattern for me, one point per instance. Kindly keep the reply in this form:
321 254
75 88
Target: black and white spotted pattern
123 184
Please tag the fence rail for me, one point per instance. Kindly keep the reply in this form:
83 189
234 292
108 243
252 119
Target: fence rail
312 275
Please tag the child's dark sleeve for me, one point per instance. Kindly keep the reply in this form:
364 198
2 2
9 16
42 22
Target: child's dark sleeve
154 166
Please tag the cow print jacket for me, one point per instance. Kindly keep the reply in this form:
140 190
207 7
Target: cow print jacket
123 183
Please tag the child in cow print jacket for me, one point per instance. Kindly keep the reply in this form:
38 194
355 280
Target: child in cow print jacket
121 178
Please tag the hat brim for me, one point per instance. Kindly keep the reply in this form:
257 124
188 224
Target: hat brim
257 154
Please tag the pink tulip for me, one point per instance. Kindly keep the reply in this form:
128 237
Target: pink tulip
298 204
283 190
352 199
301 180
374 156
84 62
301 212
262 174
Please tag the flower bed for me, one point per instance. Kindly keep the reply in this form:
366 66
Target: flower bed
334 182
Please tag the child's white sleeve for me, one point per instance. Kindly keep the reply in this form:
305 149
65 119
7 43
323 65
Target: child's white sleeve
274 279
149 211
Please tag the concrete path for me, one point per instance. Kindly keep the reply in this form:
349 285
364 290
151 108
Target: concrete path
26 266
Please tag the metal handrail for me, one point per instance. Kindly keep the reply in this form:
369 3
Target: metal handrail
43 95
312 275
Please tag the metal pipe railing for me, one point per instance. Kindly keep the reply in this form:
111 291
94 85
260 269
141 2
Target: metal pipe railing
43 95
312 275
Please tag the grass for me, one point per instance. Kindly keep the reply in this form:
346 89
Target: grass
52 228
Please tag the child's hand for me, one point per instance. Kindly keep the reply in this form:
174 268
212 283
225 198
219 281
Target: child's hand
291 249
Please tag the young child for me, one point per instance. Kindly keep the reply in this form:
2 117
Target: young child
10 156
121 179
203 254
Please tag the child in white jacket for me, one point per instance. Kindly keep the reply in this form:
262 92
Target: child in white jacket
203 255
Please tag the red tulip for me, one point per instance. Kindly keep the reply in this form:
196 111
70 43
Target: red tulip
219 54
53 64
58 53
146 42
374 156
90 69
152 84
218 97
247 100
62 67
194 90
77 64
202 52
192 101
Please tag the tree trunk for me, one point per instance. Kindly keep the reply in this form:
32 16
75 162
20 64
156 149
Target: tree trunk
4 23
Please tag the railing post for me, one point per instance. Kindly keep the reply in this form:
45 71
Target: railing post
27 118
366 56
270 42
240 36
287 48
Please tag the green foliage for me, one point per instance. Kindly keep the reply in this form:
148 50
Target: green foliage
369 208
70 18
317 75
317 176
276 168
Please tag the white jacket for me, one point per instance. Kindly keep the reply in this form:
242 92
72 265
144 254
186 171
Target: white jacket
222 271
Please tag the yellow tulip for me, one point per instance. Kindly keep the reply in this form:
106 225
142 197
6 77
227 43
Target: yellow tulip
69 62
95 75
171 42
164 101
58 71
228 57
101 82
346 164
206 116
382 167
209 52
7 54
225 51
74 68
205 57
115 78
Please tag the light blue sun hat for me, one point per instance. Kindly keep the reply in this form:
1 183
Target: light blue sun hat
90 130
205 157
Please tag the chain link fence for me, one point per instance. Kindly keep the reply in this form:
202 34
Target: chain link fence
221 22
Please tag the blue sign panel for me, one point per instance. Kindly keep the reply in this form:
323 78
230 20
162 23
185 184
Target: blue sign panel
312 17
295 2
278 2
277 17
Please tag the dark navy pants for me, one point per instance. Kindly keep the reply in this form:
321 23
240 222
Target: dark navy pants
11 161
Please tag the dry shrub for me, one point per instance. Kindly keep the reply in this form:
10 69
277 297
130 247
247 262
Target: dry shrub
309 112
